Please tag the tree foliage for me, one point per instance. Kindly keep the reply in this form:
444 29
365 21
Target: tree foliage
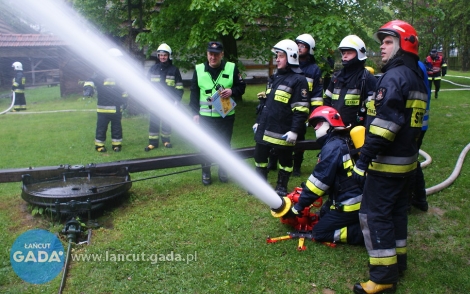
249 29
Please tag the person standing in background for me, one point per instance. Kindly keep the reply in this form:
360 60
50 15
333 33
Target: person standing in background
168 76
215 75
437 68
18 87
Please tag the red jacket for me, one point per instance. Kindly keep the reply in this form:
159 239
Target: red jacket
436 66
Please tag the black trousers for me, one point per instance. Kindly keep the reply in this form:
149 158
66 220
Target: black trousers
338 226
220 127
102 127
384 221
284 156
437 84
20 101
154 130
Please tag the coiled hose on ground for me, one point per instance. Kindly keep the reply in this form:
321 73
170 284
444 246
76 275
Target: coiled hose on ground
452 177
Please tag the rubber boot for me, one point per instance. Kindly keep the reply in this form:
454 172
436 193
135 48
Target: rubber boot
282 181
272 163
298 159
117 148
223 177
371 287
206 176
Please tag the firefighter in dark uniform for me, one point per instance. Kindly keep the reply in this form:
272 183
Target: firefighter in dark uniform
437 68
111 102
339 216
167 76
215 75
312 73
350 88
282 115
388 158
18 87
307 64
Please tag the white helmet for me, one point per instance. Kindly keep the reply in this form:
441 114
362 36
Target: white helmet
290 48
164 48
114 52
307 39
354 42
17 65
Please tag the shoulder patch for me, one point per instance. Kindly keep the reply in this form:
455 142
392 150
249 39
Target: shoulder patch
380 94
304 92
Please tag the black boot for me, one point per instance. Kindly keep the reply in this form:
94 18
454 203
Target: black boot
272 163
282 181
223 177
206 176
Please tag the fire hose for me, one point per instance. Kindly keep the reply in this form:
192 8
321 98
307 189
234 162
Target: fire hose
452 177
12 103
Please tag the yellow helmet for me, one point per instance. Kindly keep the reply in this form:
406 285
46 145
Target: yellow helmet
370 69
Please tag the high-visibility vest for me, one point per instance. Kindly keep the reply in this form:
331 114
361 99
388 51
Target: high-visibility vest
207 87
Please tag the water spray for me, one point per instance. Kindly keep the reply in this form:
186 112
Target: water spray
91 45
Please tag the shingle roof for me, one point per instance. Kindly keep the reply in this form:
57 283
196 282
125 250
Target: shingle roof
29 40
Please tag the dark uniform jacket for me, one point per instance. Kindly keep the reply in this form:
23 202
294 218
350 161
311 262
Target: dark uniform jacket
400 104
347 91
313 74
111 97
286 108
169 76
333 173
18 82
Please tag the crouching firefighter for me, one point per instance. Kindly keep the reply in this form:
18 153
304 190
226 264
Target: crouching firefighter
339 216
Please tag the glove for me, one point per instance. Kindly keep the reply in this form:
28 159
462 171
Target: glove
255 127
359 170
290 137
292 213
261 95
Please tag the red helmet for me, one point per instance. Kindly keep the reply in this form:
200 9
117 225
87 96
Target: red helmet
328 114
403 31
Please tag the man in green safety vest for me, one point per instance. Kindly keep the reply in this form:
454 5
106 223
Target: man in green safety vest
211 77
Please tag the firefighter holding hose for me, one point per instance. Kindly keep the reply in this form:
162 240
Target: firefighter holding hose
339 216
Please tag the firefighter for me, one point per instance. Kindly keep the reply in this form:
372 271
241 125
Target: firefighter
112 100
332 175
307 64
437 67
350 87
388 158
18 87
209 77
168 76
283 115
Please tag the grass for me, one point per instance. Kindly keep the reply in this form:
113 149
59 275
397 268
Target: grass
220 224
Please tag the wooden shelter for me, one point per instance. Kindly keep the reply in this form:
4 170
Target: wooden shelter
46 61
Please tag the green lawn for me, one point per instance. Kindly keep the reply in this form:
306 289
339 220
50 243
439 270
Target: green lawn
221 227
